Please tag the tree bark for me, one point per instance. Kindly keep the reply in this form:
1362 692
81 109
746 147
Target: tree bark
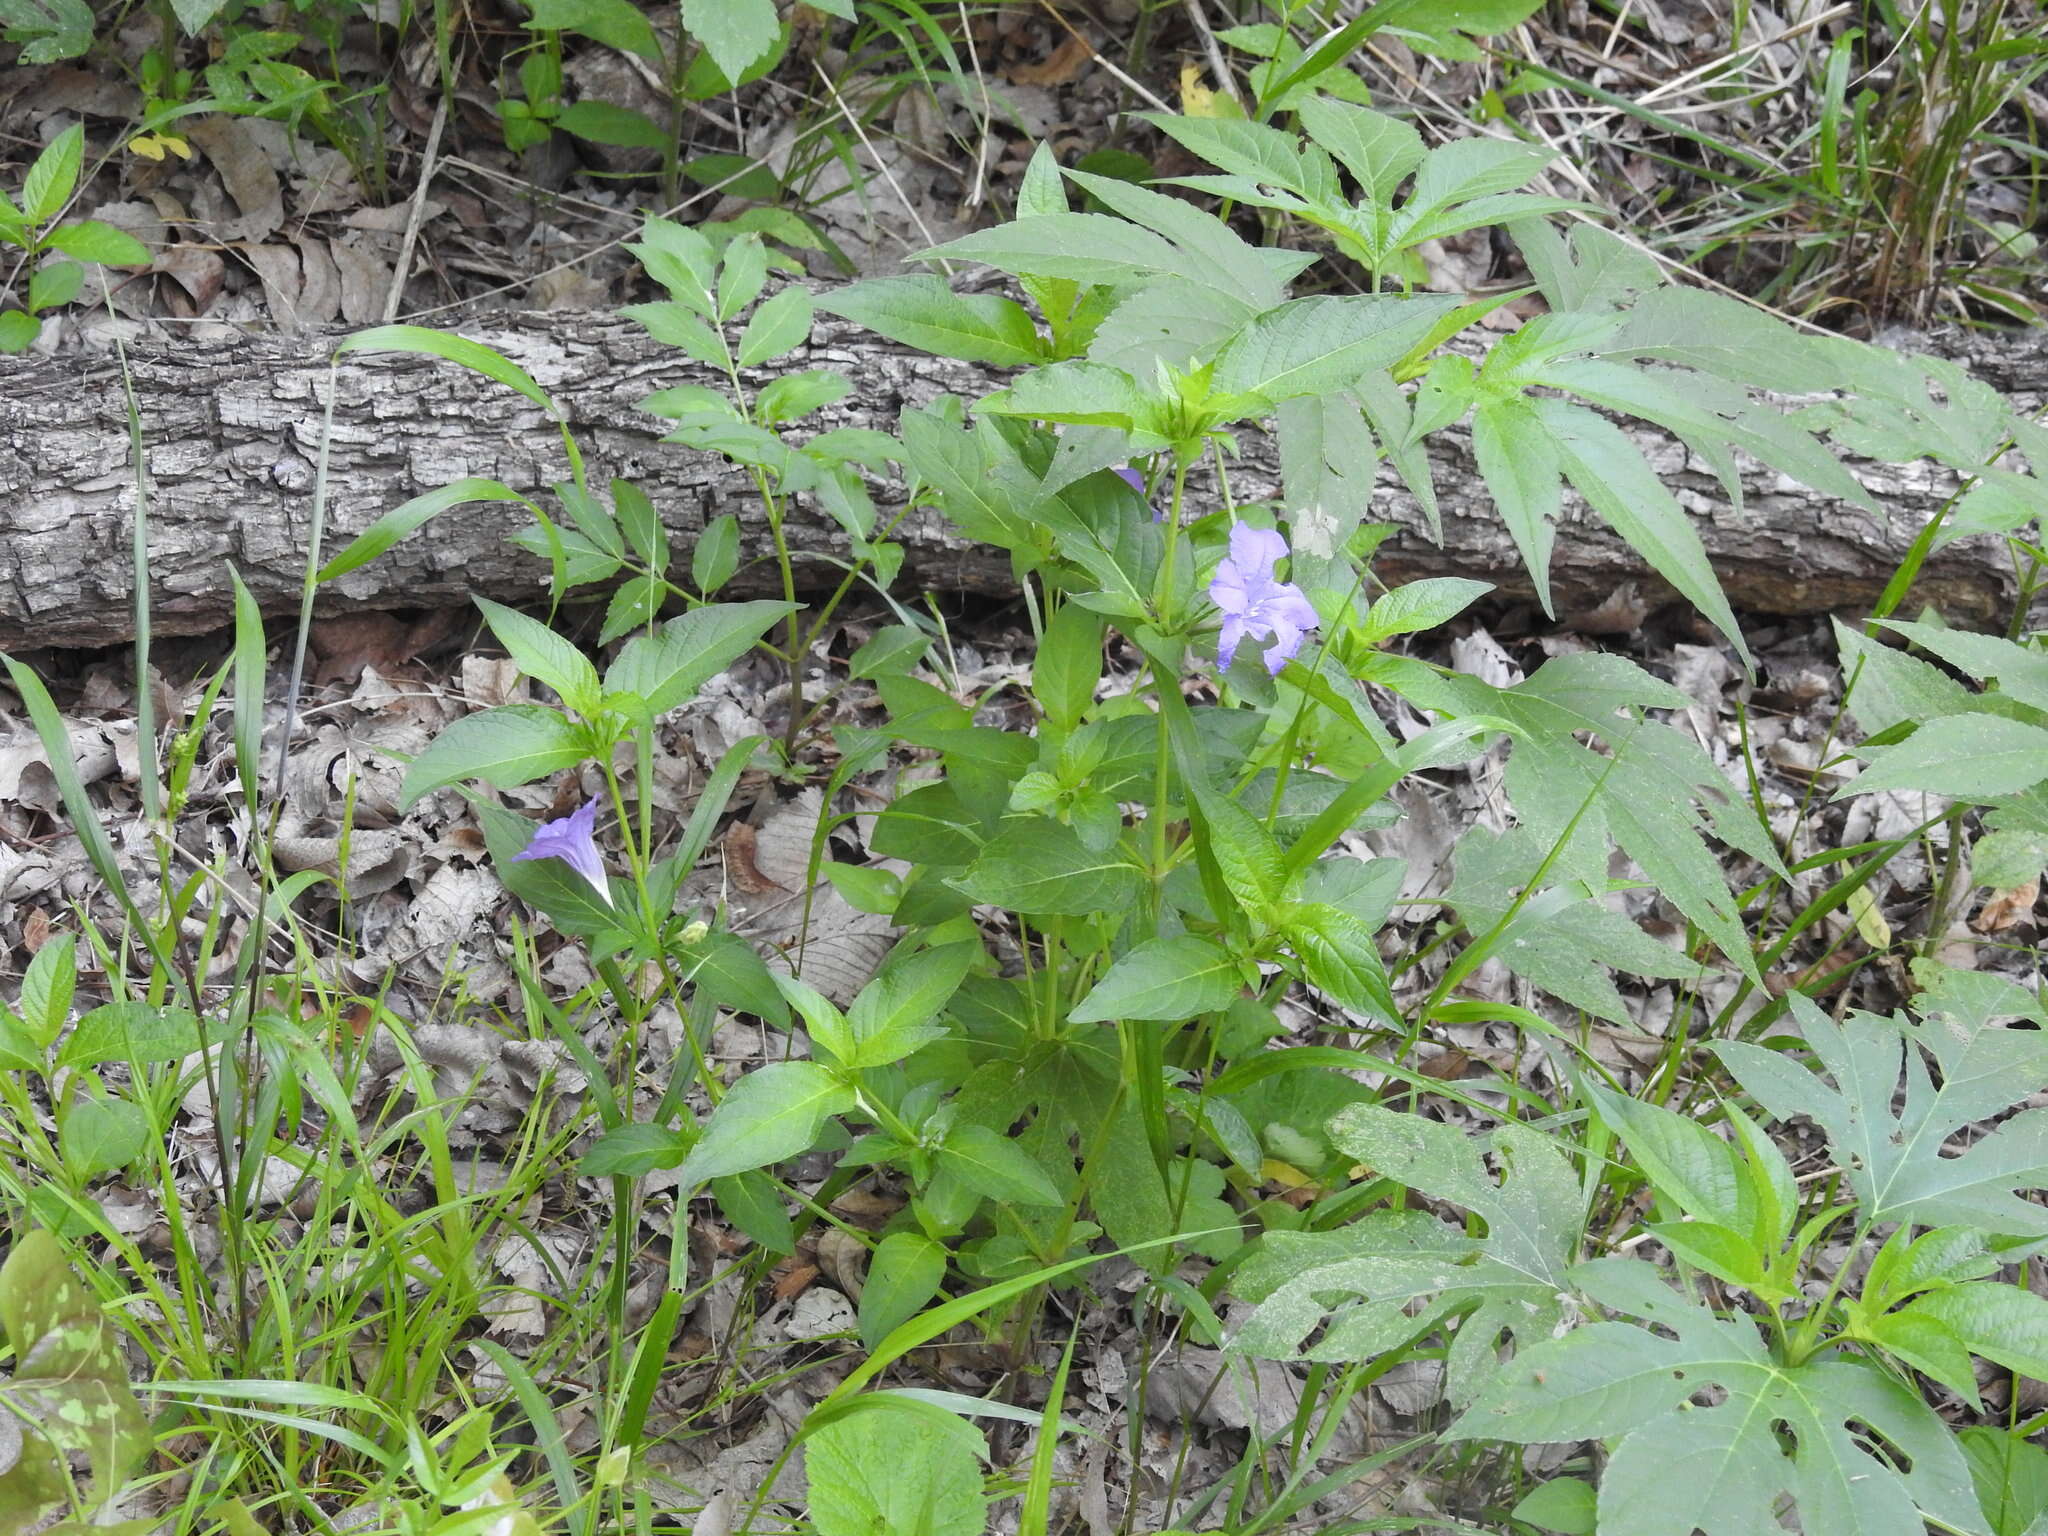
233 435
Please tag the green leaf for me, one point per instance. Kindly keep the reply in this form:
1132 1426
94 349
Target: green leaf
1089 248
472 355
772 1113
891 651
54 176
928 1483
2019 670
1316 346
991 1164
894 1014
793 396
2011 1474
1165 979
48 30
1889 687
1043 868
905 1273
1564 1504
408 516
2004 1323
716 554
1965 757
18 330
54 284
732 974
101 1135
666 670
599 122
627 1151
135 1033
924 312
1392 1276
615 23
1721 1468
44 1007
1606 468
734 32
511 745
1894 1158
781 324
1522 467
1339 954
753 1203
1421 605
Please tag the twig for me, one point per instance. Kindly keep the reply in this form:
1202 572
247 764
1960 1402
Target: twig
1200 18
403 269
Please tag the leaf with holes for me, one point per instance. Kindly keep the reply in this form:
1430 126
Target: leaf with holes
1396 1275
1895 1158
1830 1434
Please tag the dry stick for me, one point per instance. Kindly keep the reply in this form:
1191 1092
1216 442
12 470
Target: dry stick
978 193
868 144
1096 54
1200 18
403 269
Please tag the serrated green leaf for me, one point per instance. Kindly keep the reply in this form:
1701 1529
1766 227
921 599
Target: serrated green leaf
54 175
734 32
924 312
1316 346
1963 757
995 1167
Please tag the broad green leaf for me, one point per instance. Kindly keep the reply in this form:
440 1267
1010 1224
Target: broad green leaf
2011 1474
511 745
734 32
54 175
1379 151
924 312
1164 979
1564 1504
665 670
903 1276
1393 1275
2019 670
927 1484
1421 605
1564 939
70 1386
102 1135
18 330
615 23
1213 255
1244 850
1316 346
773 1112
716 554
1888 687
896 1012
1040 867
56 283
629 1150
48 30
1340 956
781 324
1721 1468
408 516
1893 1157
599 122
992 1165
2003 1323
1964 757
135 1033
754 1203
1740 342
44 1007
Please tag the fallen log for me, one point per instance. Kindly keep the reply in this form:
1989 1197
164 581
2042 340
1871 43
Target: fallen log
232 433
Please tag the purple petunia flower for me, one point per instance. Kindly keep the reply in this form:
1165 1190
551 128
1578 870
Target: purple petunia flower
1253 603
1132 478
572 839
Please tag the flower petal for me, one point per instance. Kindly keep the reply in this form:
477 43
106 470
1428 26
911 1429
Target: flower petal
1256 549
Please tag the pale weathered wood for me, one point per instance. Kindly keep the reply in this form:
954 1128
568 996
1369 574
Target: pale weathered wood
233 434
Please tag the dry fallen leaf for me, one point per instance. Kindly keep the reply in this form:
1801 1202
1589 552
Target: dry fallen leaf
244 169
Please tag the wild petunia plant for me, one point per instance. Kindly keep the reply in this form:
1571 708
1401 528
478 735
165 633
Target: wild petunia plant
1078 1040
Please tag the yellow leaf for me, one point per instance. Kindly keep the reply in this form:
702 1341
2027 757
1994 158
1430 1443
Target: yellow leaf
1870 923
1197 100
